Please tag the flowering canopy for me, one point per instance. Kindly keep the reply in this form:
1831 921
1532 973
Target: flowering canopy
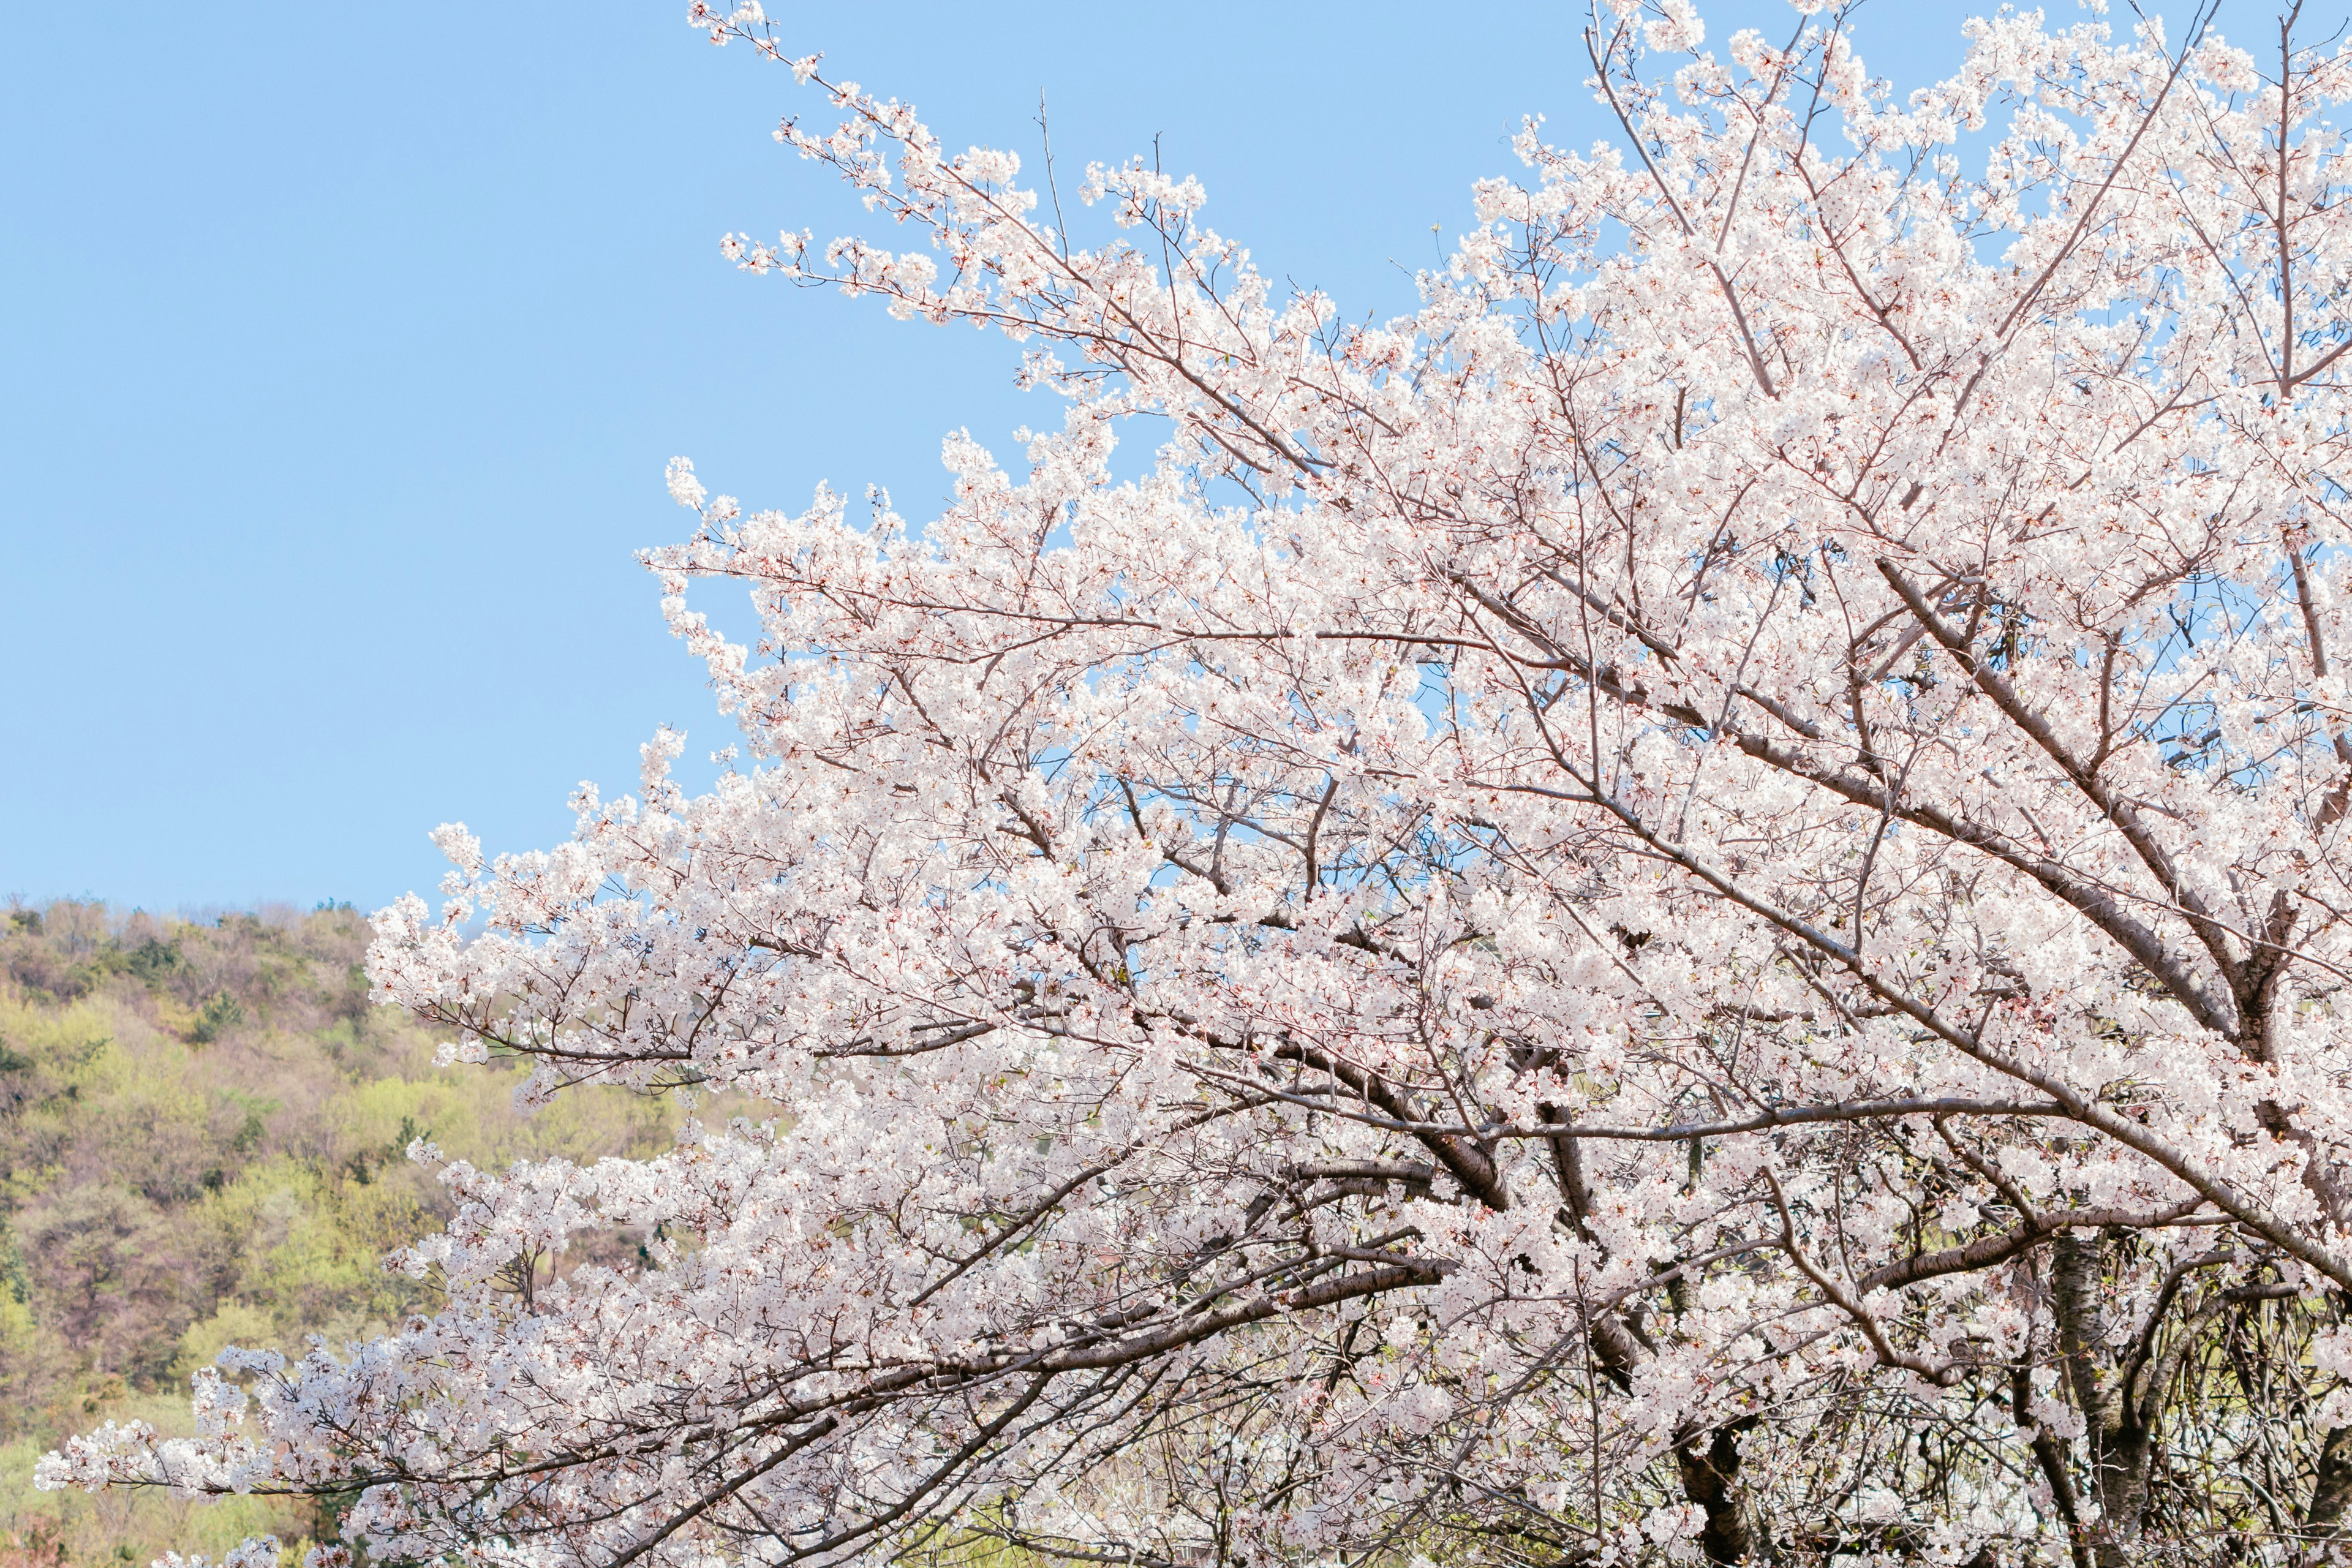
1692 903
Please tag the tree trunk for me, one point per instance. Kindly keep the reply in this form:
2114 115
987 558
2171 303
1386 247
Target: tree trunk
1711 1480
2332 1491
2120 1442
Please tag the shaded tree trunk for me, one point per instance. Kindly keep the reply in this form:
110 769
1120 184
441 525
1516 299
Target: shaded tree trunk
1711 1480
2331 1491
2121 1440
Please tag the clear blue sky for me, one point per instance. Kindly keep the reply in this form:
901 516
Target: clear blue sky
344 349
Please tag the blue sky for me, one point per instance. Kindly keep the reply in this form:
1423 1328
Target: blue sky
343 351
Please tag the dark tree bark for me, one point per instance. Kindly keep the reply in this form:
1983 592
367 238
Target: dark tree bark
1711 1480
2331 1492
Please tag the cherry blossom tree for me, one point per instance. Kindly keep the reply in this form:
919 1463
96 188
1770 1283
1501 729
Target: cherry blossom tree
1692 904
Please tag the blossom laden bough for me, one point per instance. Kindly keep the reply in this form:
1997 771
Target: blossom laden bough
1690 904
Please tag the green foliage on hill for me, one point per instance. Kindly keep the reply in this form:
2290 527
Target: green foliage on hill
202 1128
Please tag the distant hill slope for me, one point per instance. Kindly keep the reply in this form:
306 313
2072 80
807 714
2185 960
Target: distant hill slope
202 1137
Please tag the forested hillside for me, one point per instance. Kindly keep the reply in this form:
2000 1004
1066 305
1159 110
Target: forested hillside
202 1128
